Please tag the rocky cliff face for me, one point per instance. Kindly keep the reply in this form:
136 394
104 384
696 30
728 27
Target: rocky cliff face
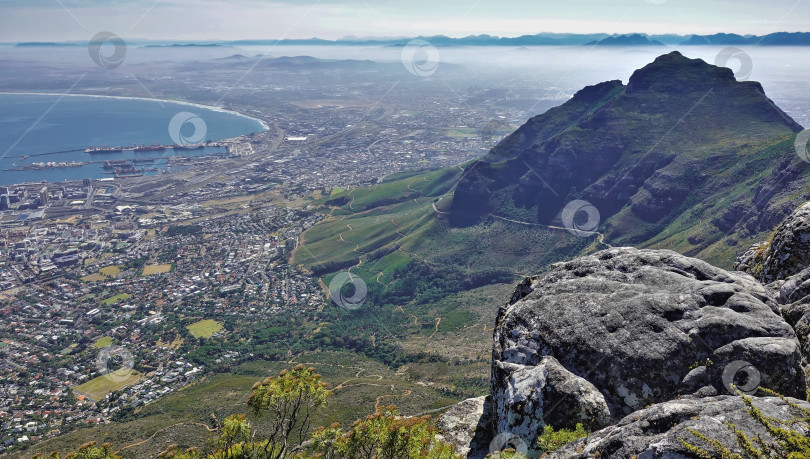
666 151
642 345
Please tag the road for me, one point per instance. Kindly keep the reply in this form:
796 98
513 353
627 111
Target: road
600 236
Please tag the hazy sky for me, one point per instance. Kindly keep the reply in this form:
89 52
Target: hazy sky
56 20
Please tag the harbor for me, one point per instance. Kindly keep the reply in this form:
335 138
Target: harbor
145 148
127 167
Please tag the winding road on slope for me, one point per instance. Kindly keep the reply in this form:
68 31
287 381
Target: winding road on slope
600 236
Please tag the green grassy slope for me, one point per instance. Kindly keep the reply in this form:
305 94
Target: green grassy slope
376 234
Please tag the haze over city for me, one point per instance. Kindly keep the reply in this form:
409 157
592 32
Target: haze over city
57 20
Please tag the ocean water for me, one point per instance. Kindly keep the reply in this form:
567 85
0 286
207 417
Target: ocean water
53 128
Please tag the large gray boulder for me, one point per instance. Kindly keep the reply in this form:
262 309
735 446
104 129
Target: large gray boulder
641 327
655 432
466 425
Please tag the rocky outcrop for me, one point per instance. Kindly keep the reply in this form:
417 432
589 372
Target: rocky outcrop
748 260
640 327
466 425
656 432
795 288
733 214
535 395
789 251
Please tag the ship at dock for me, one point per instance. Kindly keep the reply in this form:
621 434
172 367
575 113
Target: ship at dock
195 146
129 173
126 170
144 148
103 149
117 164
155 147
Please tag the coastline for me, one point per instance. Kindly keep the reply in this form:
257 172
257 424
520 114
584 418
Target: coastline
191 104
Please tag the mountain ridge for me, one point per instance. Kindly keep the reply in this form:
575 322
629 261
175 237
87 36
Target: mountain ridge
626 40
632 151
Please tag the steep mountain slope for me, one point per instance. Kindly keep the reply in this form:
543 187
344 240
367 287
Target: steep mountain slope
681 145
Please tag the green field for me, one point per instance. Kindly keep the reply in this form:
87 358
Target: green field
110 271
98 388
103 342
95 277
116 299
204 328
156 269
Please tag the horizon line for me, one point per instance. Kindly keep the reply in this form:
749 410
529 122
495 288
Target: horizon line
372 39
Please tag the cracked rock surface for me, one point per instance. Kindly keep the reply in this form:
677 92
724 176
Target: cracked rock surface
602 336
655 432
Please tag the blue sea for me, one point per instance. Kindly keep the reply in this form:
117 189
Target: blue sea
57 128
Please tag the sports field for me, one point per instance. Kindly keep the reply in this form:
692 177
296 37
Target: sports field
204 328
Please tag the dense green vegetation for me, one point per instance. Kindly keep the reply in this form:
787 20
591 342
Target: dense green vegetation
552 440
423 282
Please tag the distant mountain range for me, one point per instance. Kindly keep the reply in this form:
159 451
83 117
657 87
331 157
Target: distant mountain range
556 39
626 40
774 39
190 45
541 39
44 44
